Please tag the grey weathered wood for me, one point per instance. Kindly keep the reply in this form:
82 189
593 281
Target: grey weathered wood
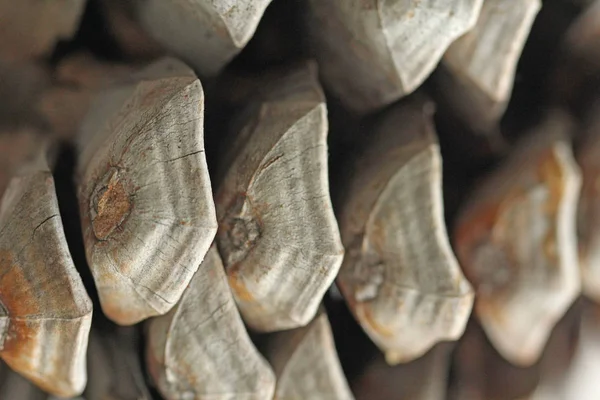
201 350
144 192
588 212
371 52
45 312
306 363
400 277
422 379
277 232
516 241
31 28
205 33
482 62
114 367
487 55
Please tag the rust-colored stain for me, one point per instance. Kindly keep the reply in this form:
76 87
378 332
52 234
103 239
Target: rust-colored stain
13 283
239 288
473 230
551 174
21 348
114 205
364 310
239 232
477 225
19 352
485 225
21 342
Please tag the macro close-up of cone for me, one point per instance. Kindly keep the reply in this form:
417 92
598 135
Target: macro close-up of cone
299 200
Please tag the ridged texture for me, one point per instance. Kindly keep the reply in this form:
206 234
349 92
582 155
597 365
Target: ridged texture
487 55
306 363
516 241
200 349
277 233
400 277
144 191
205 33
46 311
373 52
477 74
